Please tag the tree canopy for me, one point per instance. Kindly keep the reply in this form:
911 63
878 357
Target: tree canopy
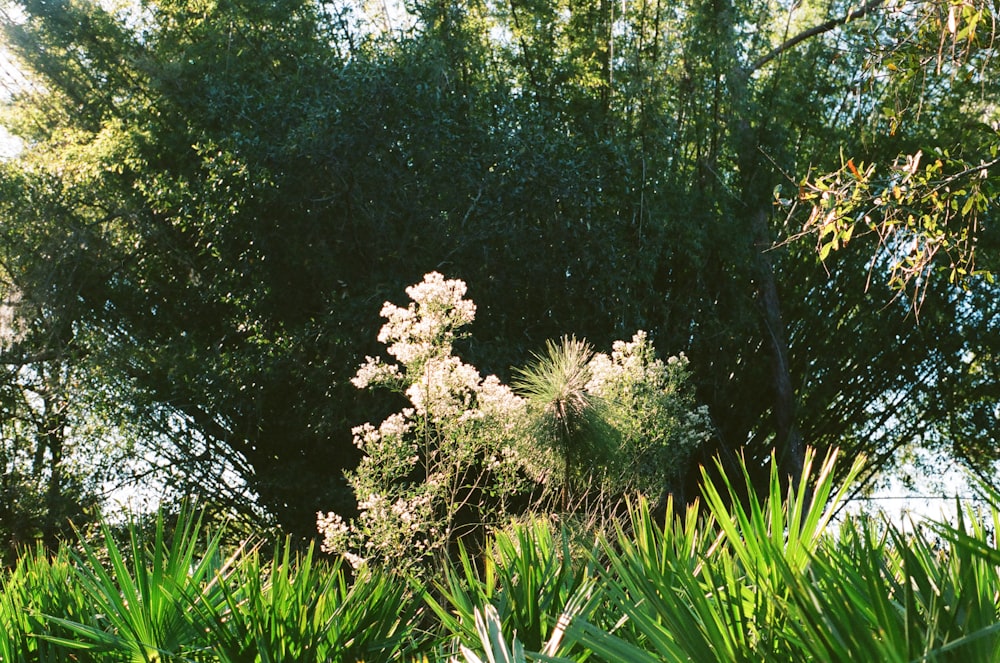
213 198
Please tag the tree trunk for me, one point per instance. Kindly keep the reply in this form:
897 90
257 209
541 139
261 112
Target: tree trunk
53 436
756 185
788 441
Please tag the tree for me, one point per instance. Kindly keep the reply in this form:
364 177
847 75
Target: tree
929 204
229 191
155 192
45 432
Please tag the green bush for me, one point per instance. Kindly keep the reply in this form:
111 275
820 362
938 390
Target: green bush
173 595
530 579
774 580
298 609
40 585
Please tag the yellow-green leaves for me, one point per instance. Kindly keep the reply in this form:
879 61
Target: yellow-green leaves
924 211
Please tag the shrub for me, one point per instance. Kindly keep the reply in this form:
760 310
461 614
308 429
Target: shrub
651 406
468 452
444 467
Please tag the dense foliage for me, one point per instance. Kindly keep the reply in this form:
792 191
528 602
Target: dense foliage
212 198
779 579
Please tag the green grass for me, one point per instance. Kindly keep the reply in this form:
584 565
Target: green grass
766 579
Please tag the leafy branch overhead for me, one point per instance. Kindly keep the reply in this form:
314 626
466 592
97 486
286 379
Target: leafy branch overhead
928 209
925 213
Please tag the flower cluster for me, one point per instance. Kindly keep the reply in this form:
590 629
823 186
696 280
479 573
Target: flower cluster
337 537
427 327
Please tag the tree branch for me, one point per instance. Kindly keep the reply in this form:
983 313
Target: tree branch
791 43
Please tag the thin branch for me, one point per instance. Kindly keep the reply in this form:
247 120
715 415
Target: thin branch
789 44
972 170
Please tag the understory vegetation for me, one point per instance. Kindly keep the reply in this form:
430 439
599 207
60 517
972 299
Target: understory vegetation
781 578
204 202
578 432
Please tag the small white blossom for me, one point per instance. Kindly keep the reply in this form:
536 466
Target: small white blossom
364 435
336 533
396 425
497 398
374 371
356 561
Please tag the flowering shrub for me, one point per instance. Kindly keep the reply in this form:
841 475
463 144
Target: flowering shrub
462 454
446 466
652 407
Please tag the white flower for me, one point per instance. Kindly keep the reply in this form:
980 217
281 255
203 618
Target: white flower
336 533
445 389
371 502
374 371
602 371
497 398
355 561
427 326
396 425
364 435
440 295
